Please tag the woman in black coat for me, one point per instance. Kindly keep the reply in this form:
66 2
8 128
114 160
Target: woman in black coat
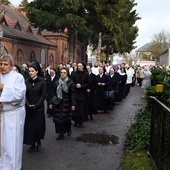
63 103
34 129
81 80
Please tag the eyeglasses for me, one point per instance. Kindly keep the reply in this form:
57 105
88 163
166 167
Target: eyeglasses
63 72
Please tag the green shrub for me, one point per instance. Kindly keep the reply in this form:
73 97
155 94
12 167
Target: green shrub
166 94
160 76
150 91
138 136
139 133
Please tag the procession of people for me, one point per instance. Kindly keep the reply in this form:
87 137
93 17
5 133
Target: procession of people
73 93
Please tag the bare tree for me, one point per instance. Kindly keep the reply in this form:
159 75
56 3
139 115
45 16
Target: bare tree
160 42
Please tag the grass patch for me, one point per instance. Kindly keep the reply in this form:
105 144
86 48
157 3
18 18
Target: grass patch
137 160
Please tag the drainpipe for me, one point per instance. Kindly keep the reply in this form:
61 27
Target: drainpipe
13 43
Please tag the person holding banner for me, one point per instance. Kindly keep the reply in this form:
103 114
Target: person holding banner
12 115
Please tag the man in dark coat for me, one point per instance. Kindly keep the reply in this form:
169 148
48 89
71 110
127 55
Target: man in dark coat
50 82
81 80
24 71
60 66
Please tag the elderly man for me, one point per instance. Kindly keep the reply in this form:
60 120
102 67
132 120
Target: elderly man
12 102
50 82
24 71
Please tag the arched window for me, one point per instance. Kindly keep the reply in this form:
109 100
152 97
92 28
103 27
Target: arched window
62 45
4 51
51 60
19 59
43 56
32 57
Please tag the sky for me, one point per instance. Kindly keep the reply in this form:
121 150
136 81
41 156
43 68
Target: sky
155 18
17 2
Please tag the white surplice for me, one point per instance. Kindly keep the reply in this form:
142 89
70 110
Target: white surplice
12 120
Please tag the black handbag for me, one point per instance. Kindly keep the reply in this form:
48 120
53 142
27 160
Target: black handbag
56 101
109 94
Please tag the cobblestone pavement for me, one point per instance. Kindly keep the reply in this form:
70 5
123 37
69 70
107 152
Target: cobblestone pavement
74 153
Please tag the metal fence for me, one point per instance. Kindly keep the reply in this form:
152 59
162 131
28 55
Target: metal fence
160 135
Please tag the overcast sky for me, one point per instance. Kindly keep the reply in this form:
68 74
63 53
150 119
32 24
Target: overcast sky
17 2
155 18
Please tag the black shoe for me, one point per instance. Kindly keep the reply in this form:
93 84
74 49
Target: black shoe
75 125
60 136
69 133
38 148
80 125
32 148
91 117
105 111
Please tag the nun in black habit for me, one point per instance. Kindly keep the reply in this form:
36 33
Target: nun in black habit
102 84
81 80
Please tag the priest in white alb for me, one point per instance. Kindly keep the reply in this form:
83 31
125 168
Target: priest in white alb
12 114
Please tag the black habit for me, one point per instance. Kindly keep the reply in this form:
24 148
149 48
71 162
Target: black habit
101 103
92 95
81 112
50 92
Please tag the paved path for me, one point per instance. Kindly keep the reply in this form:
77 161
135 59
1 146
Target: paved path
74 153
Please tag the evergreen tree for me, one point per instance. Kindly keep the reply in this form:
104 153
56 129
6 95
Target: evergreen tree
87 18
117 26
24 3
5 2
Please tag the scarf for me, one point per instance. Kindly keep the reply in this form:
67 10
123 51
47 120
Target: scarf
62 86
